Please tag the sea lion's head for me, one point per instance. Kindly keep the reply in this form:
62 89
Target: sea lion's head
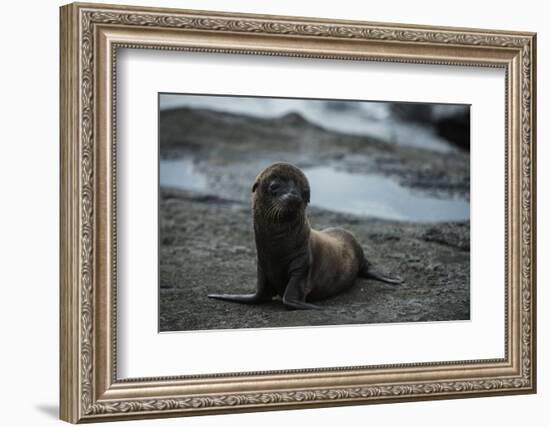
280 193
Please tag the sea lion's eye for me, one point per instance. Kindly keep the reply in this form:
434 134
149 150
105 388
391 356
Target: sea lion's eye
274 186
306 195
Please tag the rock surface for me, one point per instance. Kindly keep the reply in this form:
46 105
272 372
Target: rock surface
207 246
207 242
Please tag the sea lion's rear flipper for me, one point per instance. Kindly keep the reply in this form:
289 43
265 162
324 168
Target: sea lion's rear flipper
367 272
383 278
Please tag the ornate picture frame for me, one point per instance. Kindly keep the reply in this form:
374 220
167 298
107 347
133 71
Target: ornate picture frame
90 37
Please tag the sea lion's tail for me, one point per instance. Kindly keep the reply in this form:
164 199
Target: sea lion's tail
368 273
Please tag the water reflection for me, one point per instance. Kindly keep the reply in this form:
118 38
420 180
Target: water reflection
182 174
380 196
341 191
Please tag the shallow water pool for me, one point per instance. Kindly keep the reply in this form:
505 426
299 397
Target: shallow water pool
380 196
340 191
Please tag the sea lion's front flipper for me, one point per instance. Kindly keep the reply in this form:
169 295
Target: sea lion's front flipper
255 298
300 305
295 297
263 292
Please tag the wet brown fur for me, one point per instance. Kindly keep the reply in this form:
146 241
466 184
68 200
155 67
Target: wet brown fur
296 262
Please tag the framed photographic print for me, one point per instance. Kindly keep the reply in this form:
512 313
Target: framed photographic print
266 212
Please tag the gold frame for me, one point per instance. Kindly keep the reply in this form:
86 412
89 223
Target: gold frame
90 36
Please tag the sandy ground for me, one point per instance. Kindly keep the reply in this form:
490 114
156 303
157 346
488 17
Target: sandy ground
207 242
207 246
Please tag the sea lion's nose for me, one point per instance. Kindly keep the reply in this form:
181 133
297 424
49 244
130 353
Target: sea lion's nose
292 198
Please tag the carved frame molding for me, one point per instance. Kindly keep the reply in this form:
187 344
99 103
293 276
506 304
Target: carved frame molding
90 37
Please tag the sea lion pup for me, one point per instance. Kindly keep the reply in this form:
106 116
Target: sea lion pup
296 262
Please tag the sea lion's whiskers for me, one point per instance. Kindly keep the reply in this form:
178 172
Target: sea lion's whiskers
273 212
269 211
278 214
